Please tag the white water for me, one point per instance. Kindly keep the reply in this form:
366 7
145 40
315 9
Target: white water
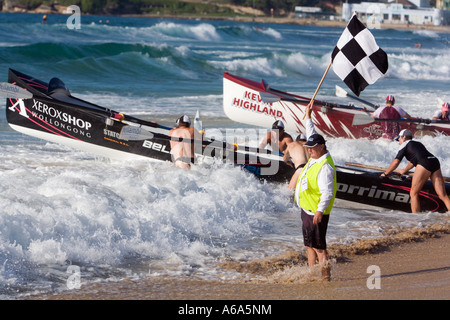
60 206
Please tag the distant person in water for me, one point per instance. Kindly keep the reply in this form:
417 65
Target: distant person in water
390 111
182 151
442 114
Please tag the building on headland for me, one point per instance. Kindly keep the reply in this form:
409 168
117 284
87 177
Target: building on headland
314 13
418 12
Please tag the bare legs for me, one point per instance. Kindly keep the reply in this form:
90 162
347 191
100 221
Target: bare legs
322 256
420 176
294 179
439 186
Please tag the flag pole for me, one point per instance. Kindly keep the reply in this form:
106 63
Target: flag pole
317 90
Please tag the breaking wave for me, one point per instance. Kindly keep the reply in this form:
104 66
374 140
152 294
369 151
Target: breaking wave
60 207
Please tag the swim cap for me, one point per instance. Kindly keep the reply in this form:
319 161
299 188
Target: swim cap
184 119
278 125
390 98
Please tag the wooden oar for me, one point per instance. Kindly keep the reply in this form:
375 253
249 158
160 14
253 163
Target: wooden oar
133 133
362 119
341 92
9 90
268 97
365 166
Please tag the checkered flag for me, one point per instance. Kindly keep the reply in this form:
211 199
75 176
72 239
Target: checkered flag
357 59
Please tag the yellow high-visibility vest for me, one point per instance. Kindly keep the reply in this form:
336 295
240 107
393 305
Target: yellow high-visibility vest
308 196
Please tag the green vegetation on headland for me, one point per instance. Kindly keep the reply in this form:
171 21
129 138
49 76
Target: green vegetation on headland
211 8
238 10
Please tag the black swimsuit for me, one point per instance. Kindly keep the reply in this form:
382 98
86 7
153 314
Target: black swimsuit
416 153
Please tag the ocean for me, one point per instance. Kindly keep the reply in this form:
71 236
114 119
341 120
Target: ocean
68 218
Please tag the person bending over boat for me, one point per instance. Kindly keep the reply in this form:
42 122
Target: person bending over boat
182 152
296 156
442 114
427 167
315 192
390 129
277 134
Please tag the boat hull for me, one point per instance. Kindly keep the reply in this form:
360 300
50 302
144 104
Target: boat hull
94 129
55 122
365 187
79 124
243 102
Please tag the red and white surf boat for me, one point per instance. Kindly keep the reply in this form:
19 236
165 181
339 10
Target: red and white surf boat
256 103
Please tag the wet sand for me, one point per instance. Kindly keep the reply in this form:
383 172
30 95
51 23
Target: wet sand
416 267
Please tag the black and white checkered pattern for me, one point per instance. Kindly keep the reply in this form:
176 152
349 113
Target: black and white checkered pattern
357 59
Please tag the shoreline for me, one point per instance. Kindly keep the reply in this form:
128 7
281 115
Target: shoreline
413 265
266 19
302 21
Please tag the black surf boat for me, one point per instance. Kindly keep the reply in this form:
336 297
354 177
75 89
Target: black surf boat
48 111
51 113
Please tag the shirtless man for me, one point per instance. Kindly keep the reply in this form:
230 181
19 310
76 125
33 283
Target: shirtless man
277 134
182 152
296 156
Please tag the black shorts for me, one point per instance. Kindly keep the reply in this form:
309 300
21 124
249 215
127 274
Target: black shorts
431 164
314 234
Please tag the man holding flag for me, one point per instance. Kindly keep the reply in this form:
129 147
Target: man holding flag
358 61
